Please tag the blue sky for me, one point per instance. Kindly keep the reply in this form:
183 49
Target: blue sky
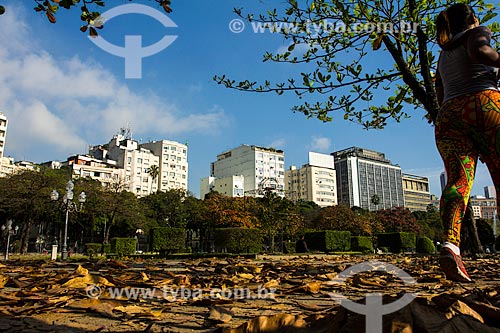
62 93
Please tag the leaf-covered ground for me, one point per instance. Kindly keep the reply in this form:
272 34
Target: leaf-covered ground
268 294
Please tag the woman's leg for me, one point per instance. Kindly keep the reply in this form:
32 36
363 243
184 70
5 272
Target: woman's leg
459 155
488 136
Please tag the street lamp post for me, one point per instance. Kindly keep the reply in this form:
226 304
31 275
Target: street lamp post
8 231
68 206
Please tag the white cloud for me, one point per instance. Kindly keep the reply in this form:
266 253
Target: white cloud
278 143
320 144
56 105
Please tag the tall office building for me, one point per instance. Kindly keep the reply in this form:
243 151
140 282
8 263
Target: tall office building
3 133
315 181
442 180
173 168
416 192
261 168
490 192
363 174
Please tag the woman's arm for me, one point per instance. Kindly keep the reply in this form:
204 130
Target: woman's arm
479 48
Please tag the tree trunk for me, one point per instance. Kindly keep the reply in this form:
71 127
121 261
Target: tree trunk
470 243
106 231
25 236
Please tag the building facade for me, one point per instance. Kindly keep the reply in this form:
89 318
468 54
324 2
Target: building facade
490 192
260 167
364 174
173 164
3 133
106 172
416 192
483 207
232 186
135 161
315 181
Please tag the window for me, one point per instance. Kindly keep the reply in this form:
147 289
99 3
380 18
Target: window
129 160
173 148
139 160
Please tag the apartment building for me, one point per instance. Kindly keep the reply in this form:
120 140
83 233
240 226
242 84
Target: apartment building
173 164
106 172
261 168
485 208
136 162
7 166
3 133
362 174
232 186
314 181
416 192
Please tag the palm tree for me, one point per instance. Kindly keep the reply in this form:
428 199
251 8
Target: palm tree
154 172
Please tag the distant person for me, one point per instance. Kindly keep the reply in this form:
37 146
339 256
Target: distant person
468 122
301 245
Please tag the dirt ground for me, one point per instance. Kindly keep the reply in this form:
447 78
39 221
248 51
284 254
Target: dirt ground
270 293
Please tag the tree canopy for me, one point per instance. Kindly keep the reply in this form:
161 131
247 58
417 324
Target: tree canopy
90 11
365 61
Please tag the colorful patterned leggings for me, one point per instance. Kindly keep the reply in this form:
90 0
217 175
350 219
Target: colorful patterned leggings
467 127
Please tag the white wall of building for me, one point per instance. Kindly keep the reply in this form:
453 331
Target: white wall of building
173 164
256 164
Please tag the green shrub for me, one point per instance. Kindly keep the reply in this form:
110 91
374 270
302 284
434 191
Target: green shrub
497 243
168 240
106 248
92 249
328 240
361 244
123 246
397 241
239 240
425 245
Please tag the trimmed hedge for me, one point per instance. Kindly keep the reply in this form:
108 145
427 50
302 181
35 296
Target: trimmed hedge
168 240
106 248
362 244
425 245
123 246
397 241
328 241
239 240
92 249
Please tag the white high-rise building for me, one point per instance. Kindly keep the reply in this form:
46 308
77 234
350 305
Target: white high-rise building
135 161
3 133
364 174
262 168
232 186
173 166
315 181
